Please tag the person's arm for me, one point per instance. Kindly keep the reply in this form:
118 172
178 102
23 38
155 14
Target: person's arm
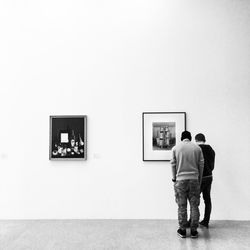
173 165
201 166
212 157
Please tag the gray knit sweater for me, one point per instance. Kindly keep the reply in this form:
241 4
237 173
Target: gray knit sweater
187 161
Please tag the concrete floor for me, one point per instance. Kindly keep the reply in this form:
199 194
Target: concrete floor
119 235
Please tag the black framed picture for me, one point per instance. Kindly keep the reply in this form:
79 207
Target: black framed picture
161 132
68 137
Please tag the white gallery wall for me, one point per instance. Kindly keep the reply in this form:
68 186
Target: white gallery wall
112 60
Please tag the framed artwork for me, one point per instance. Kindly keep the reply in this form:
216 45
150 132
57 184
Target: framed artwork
68 137
161 131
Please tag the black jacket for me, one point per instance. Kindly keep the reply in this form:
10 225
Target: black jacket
209 157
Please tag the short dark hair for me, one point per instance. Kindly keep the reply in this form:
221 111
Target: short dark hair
200 137
186 135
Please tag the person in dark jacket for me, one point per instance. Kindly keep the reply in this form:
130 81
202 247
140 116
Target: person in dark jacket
207 178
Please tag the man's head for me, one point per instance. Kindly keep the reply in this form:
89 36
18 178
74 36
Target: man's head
186 135
200 138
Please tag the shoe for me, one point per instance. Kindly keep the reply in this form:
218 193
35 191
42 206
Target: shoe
194 233
204 224
182 233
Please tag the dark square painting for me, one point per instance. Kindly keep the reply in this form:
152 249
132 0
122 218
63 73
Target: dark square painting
68 137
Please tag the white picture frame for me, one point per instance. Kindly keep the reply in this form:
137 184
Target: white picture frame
161 131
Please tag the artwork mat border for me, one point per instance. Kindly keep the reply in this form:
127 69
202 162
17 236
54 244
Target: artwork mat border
85 137
143 131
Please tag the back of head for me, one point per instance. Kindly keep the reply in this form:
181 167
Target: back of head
200 137
186 135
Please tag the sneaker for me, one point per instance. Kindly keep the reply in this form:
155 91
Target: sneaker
194 233
204 224
182 233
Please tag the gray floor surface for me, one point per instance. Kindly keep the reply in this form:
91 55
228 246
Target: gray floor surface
119 235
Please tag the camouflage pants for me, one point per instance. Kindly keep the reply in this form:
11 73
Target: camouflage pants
188 190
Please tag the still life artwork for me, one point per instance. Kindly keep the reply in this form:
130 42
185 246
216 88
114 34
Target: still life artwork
68 137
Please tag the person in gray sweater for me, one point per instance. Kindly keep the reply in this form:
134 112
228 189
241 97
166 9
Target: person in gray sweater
187 168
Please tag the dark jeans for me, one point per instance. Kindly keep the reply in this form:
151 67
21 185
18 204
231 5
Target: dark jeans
188 190
206 190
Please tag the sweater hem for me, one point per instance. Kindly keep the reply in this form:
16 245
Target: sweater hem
187 177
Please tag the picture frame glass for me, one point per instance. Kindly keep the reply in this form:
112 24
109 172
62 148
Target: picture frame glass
68 138
161 132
